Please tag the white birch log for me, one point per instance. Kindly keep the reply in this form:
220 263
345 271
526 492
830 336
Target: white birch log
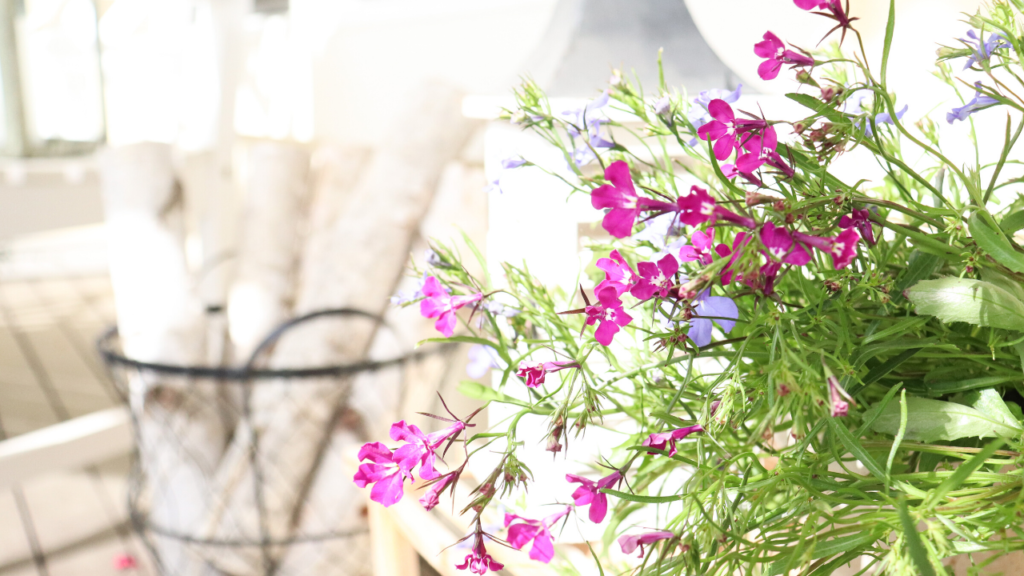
276 203
160 320
369 243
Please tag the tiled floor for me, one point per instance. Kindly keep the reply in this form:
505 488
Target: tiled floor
68 523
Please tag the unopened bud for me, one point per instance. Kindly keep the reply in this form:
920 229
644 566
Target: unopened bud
799 127
755 198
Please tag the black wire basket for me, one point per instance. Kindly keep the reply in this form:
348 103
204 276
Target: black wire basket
337 536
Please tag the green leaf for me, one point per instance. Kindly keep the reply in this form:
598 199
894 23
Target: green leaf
899 433
920 266
644 499
995 244
876 373
1012 223
890 27
966 300
963 472
826 549
945 387
1012 286
913 540
929 420
990 403
854 447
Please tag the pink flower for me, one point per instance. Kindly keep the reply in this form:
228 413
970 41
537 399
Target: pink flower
620 196
663 440
630 543
534 373
697 207
382 471
608 311
842 248
741 240
441 305
655 278
432 496
861 219
776 53
780 245
617 273
124 562
701 249
589 493
420 447
760 149
814 4
838 397
536 531
479 562
722 130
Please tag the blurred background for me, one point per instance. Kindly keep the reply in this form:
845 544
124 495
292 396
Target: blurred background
199 171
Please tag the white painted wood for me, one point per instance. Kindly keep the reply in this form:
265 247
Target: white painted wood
72 444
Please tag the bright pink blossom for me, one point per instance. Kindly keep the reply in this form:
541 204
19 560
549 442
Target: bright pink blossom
655 278
432 496
814 4
608 311
124 562
722 130
697 207
776 53
536 531
620 197
761 148
631 543
479 561
617 273
442 305
741 240
589 493
861 219
667 440
383 472
701 249
779 244
842 248
534 373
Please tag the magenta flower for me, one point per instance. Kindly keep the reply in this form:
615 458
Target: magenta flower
720 308
722 130
861 219
383 472
776 53
701 249
815 4
780 245
536 531
534 373
124 562
608 311
617 273
589 493
420 447
479 561
741 240
842 248
761 148
838 397
432 496
630 543
620 196
697 207
667 440
441 305
655 278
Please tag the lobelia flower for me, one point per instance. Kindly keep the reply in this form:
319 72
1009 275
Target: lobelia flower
699 115
620 196
536 531
534 373
776 53
655 278
722 130
842 248
979 102
659 228
741 240
721 308
509 163
760 149
836 12
479 561
608 311
630 543
861 219
382 471
884 118
587 119
779 244
432 496
419 447
404 296
663 108
697 207
701 249
441 305
589 493
617 273
814 4
982 51
663 440
839 399
482 359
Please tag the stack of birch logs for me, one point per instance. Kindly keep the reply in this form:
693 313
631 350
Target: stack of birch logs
332 229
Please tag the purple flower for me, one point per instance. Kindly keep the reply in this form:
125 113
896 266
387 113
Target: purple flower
720 308
655 278
536 531
608 311
884 118
659 228
779 244
534 373
979 102
721 130
630 543
760 148
667 440
776 53
479 561
441 305
589 493
482 359
701 249
862 221
698 115
419 447
587 119
432 496
741 240
382 471
404 296
509 163
838 397
620 196
617 273
388 470
842 248
982 51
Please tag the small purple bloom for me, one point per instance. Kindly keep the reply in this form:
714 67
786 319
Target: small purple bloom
862 221
842 248
776 54
884 118
697 207
482 359
589 493
979 102
432 496
630 543
509 163
608 311
982 51
655 279
663 107
706 307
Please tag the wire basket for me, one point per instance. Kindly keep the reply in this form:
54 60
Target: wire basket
318 537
